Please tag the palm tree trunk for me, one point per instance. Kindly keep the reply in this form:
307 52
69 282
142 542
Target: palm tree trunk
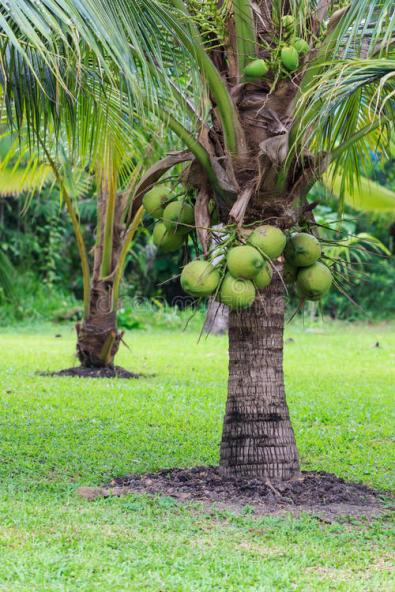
98 339
258 439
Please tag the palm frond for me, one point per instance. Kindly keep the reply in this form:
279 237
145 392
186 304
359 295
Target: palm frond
58 29
14 182
347 114
348 256
53 52
365 26
190 37
245 32
367 195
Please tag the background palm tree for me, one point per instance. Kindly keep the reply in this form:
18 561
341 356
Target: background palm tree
78 124
256 148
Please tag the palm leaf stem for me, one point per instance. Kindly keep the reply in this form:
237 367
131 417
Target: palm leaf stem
226 109
194 146
130 234
245 32
109 197
76 227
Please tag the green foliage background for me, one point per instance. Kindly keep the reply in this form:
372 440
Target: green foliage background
46 280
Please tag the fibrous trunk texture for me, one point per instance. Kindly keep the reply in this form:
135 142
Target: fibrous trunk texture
258 440
98 338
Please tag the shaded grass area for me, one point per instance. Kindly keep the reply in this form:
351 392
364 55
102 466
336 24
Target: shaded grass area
59 433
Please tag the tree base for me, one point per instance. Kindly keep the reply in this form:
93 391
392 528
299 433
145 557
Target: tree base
98 342
319 493
104 372
263 472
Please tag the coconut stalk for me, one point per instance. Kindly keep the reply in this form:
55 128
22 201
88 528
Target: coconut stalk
226 110
245 33
76 227
217 318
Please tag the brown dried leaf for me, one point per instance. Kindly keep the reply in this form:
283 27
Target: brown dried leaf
202 218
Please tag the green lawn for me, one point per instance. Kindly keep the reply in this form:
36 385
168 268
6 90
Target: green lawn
58 434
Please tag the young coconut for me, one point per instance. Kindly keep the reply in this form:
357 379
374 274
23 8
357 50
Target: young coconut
314 281
302 249
263 277
290 58
268 239
256 69
179 217
236 293
199 278
155 201
167 241
244 262
301 46
288 21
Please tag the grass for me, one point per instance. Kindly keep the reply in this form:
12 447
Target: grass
58 434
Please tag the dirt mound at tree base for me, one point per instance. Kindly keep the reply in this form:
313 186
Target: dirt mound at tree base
320 493
107 372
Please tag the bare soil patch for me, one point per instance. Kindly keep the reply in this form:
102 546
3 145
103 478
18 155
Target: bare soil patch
319 493
107 372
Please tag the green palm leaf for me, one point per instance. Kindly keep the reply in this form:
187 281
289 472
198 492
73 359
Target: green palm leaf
14 182
367 196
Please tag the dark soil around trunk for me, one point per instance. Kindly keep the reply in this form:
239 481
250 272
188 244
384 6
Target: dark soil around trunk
319 493
106 372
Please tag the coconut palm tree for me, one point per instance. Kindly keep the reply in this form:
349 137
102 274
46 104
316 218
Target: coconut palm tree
76 126
256 144
263 145
111 175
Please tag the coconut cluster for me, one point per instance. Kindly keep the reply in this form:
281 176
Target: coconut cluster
175 218
289 51
246 262
248 267
245 268
312 278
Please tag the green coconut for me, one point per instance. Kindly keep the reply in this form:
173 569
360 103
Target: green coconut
263 277
301 46
289 273
290 58
288 21
244 262
199 278
236 293
268 239
166 240
256 69
155 201
302 249
314 281
179 216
